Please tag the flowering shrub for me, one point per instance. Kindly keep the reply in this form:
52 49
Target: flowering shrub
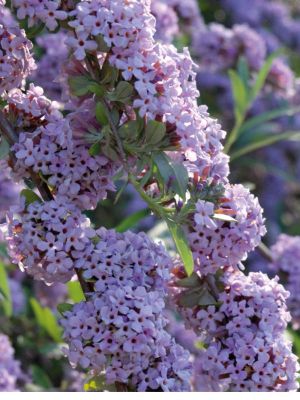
121 107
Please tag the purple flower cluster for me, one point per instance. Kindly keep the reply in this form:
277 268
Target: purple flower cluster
217 243
121 328
16 61
50 65
219 48
286 253
44 237
275 19
246 348
164 79
8 190
166 21
46 11
10 371
17 295
46 146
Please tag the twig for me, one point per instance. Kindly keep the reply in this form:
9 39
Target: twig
265 252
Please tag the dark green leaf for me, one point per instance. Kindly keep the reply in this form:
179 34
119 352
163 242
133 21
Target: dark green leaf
239 94
133 220
102 46
6 301
4 148
131 129
196 297
109 74
97 89
191 282
101 114
174 175
30 196
122 93
182 246
79 85
39 377
75 291
154 132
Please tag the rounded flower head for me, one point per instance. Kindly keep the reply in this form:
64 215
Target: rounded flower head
43 236
15 55
219 243
286 253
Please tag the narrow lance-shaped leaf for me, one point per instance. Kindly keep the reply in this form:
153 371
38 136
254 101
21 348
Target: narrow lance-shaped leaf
4 148
5 295
267 141
133 220
239 94
182 246
174 175
262 76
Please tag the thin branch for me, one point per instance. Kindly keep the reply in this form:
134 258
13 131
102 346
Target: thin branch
265 252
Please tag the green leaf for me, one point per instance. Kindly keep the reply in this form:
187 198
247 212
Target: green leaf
102 46
174 175
98 384
95 149
265 141
109 74
30 196
154 132
122 93
191 282
46 320
39 377
132 220
131 129
199 296
224 217
4 148
6 302
97 89
79 85
182 246
75 291
239 94
63 307
262 76
101 114
243 71
268 116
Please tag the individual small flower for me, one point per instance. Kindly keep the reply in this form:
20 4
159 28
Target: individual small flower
204 212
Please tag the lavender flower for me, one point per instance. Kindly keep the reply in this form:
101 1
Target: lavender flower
10 371
286 253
